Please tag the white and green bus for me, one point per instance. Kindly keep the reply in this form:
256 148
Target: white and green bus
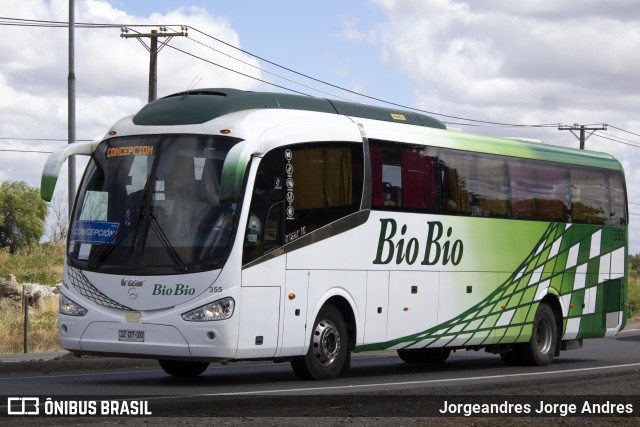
222 225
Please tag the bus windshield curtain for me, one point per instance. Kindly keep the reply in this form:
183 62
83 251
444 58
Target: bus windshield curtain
418 180
377 196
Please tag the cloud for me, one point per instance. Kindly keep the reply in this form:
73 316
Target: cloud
504 61
529 62
488 54
111 72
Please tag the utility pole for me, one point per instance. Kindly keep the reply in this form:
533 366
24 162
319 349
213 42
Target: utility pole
153 51
71 105
583 129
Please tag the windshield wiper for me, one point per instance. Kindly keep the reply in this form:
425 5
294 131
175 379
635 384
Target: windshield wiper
164 240
108 246
146 213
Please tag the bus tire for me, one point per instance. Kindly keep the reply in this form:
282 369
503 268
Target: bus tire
178 368
541 347
328 350
434 356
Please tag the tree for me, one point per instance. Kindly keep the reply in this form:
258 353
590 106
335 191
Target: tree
22 215
634 261
58 229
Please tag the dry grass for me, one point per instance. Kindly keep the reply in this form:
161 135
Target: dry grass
35 264
634 295
43 328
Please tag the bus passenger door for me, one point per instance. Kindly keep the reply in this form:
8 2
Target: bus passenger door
259 306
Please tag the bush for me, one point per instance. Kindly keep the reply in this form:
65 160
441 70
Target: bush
634 295
34 264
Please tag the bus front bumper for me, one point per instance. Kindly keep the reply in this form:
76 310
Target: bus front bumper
145 340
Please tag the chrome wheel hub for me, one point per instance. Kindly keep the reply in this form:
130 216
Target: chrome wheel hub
326 342
543 336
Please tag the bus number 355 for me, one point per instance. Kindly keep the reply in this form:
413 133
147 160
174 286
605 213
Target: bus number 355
215 289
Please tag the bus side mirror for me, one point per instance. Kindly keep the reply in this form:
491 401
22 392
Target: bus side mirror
54 164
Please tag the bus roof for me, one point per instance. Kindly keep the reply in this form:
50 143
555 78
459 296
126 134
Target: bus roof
202 105
199 106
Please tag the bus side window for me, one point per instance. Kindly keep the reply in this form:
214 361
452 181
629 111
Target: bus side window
264 226
273 227
618 213
588 196
539 190
403 177
323 183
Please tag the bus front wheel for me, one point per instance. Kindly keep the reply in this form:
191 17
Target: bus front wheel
540 349
328 350
178 368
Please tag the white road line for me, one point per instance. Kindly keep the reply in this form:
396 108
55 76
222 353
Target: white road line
89 374
404 383
350 387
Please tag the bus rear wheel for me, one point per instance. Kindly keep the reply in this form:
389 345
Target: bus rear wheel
434 356
540 349
328 350
178 368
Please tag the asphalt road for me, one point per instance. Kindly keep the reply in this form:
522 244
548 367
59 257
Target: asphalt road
378 384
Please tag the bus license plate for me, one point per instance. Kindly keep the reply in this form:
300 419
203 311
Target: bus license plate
131 336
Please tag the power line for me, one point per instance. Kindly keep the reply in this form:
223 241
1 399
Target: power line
267 71
32 22
624 130
476 122
237 72
20 22
24 151
616 140
362 94
44 139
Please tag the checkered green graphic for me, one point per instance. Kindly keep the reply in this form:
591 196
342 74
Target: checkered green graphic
582 265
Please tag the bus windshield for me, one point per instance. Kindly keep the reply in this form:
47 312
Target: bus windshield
150 205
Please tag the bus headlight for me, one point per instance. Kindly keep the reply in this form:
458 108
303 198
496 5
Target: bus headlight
218 310
70 308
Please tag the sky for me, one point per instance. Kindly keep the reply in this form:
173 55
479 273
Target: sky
529 62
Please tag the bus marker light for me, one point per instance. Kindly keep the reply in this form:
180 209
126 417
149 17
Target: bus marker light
406 309
112 133
292 296
225 131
